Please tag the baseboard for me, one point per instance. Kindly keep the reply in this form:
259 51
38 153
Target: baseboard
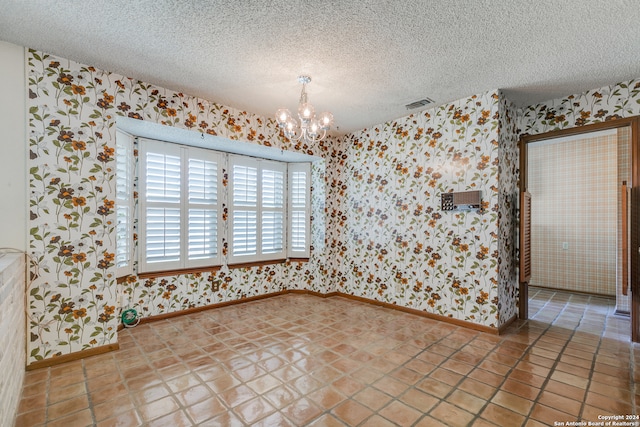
99 350
506 324
439 317
314 293
207 307
451 320
57 360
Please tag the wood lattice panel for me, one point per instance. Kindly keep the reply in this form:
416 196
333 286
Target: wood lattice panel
525 237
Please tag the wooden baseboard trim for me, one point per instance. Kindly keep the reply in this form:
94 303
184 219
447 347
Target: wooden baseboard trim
506 324
164 316
314 293
450 320
445 319
72 356
111 347
209 307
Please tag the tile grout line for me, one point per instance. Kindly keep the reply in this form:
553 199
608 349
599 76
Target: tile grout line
593 363
527 416
289 334
86 388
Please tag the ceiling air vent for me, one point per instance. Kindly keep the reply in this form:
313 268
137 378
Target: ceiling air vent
418 104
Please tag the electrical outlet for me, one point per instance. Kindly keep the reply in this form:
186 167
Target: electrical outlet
565 246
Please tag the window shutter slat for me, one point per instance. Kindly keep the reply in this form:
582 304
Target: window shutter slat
124 204
298 190
245 233
272 232
162 234
299 210
272 189
298 231
203 233
203 181
245 185
163 178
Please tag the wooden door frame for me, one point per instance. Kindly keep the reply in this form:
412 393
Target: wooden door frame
634 125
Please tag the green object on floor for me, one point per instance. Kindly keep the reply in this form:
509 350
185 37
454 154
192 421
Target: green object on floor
130 318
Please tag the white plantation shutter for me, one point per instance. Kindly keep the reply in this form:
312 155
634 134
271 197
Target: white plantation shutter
258 206
245 226
180 209
124 203
273 196
161 193
162 242
203 216
244 203
299 210
181 205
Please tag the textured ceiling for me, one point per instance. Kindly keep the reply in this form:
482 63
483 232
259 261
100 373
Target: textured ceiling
368 58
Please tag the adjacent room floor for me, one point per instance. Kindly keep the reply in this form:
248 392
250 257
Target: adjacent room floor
297 360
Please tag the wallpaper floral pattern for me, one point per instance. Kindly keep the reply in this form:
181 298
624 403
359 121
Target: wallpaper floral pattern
377 228
598 105
508 210
74 301
391 242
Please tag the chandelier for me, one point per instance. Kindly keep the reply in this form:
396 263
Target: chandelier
310 128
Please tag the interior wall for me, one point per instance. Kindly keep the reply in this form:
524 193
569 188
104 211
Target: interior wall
393 243
13 336
13 228
603 104
13 162
75 302
508 209
573 186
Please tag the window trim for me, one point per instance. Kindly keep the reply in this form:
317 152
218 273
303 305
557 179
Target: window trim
184 153
224 217
261 165
125 142
294 168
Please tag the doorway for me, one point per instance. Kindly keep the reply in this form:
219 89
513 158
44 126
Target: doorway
579 234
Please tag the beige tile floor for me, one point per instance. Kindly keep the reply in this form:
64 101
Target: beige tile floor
297 360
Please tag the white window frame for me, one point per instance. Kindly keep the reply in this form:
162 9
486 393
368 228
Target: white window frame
297 206
184 153
224 228
260 208
125 174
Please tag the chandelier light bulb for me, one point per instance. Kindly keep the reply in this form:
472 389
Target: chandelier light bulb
311 128
306 112
326 120
290 128
282 116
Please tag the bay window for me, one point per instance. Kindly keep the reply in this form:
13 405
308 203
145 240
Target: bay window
184 192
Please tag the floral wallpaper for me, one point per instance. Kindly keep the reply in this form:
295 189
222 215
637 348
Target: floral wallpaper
389 239
598 105
75 302
508 210
377 228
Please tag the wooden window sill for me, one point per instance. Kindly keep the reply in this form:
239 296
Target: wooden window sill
164 273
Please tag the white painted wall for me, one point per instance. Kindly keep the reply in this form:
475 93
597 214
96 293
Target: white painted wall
13 335
13 148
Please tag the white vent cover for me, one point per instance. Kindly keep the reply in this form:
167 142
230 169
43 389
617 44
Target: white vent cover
417 104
